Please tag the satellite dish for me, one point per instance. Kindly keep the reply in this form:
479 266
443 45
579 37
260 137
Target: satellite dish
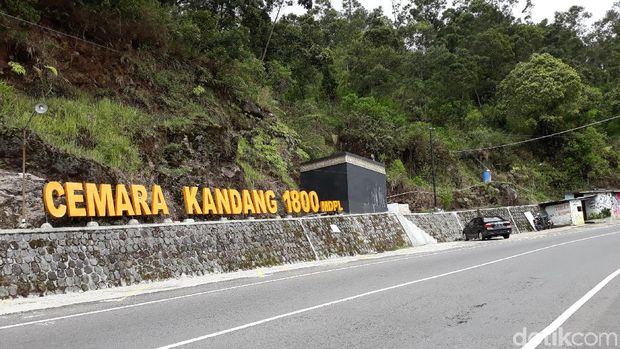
40 108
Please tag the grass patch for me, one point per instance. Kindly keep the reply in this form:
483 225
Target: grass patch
263 156
101 130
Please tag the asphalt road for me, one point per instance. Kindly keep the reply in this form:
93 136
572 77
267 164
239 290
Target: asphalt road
478 295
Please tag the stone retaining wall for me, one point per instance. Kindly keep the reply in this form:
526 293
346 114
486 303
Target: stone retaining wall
519 218
448 226
37 262
442 226
42 262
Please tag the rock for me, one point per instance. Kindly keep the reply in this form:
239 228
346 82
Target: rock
46 226
230 171
253 109
11 200
52 276
35 267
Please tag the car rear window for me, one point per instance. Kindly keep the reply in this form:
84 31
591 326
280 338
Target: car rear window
492 219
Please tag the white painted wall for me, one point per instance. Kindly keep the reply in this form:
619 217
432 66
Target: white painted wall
559 214
566 213
610 201
576 211
599 203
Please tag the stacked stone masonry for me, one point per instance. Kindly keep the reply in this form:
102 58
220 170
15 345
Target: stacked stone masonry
38 262
448 226
442 226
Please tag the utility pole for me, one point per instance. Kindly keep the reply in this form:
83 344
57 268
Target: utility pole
430 131
262 57
38 109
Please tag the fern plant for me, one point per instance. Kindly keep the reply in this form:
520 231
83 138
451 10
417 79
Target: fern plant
17 68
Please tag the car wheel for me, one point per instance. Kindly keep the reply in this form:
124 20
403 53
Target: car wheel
506 236
480 236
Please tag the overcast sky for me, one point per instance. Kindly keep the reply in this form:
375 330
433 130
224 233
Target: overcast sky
542 8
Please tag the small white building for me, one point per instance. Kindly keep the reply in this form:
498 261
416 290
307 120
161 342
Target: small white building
565 212
599 203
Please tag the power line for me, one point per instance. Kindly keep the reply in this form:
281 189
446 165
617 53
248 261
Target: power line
410 192
430 192
536 138
56 31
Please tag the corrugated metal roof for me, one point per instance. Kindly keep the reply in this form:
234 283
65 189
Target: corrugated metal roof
548 203
596 191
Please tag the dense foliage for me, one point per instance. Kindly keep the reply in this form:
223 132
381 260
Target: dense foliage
359 81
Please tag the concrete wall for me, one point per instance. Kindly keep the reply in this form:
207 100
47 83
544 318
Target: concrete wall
566 213
576 210
37 262
560 214
367 190
448 226
602 201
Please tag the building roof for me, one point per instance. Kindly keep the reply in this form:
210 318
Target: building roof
596 191
341 158
556 202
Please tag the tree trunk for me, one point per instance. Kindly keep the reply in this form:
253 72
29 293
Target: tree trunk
262 57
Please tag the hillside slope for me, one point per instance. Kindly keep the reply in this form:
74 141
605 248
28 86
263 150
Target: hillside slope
217 94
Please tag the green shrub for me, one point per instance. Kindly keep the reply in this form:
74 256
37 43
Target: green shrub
198 91
264 156
17 68
397 174
24 9
252 176
445 198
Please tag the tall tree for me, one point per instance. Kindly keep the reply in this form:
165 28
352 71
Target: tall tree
542 95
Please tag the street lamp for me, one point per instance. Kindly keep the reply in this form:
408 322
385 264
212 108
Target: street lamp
40 108
430 131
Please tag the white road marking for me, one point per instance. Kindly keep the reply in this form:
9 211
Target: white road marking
32 316
540 337
365 294
228 288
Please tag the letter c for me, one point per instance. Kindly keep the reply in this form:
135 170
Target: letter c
48 199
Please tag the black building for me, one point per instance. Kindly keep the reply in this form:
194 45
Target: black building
359 183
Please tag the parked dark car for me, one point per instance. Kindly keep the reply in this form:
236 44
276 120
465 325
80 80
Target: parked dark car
483 228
